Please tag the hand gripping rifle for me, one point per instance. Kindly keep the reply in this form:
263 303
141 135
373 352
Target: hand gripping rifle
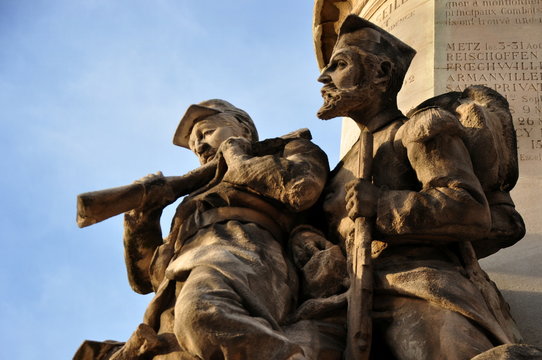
96 206
360 294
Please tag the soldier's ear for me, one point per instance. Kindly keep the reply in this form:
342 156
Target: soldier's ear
383 75
246 131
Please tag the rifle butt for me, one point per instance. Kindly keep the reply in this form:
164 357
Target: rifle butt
360 295
96 206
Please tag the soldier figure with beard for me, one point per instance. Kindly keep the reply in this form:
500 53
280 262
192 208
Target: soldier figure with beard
427 204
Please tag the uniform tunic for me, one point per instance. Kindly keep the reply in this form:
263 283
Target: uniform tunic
222 279
430 296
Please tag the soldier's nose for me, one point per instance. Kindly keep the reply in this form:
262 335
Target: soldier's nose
324 77
201 147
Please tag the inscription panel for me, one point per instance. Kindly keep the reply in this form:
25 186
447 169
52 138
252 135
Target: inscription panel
496 43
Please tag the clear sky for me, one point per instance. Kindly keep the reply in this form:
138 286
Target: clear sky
91 92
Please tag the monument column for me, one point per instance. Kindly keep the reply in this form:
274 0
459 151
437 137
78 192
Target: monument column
496 43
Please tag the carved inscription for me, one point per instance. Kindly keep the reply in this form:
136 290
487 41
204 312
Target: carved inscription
387 19
506 56
504 66
492 12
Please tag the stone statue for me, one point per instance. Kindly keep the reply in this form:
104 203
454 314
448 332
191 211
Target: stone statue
270 256
224 285
438 197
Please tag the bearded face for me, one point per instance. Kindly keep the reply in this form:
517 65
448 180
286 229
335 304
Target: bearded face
348 85
341 102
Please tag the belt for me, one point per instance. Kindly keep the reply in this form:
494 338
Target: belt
245 215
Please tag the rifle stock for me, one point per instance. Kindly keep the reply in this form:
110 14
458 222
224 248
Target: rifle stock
96 206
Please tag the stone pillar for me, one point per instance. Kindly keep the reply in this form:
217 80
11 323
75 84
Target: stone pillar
497 43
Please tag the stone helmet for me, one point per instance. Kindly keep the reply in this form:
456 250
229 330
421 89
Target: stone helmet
204 109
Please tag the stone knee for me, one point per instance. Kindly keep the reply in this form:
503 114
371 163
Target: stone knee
414 329
212 322
203 306
192 325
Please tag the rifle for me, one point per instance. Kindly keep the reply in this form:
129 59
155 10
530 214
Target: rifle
96 206
360 294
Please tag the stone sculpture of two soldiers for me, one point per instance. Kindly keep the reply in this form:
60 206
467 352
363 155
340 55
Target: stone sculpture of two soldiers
225 283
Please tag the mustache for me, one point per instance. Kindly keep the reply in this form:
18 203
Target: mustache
338 102
330 91
331 96
207 155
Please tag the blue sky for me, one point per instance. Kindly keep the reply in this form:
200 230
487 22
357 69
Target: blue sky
91 92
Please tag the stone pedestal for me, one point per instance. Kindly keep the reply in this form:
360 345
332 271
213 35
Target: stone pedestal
497 43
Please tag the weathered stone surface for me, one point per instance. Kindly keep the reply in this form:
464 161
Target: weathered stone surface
432 198
461 43
271 256
223 285
511 352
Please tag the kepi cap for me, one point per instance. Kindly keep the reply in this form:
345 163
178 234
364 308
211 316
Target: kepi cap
201 111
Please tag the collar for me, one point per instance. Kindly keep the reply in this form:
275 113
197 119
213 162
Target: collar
382 119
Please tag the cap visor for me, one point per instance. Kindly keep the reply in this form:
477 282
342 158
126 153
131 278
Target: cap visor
193 114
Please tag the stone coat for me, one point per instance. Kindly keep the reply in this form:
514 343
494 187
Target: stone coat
222 279
431 206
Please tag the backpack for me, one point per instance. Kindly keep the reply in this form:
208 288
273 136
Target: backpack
490 138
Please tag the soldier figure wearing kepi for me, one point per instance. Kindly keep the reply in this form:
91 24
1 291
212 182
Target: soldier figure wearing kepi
434 203
224 285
